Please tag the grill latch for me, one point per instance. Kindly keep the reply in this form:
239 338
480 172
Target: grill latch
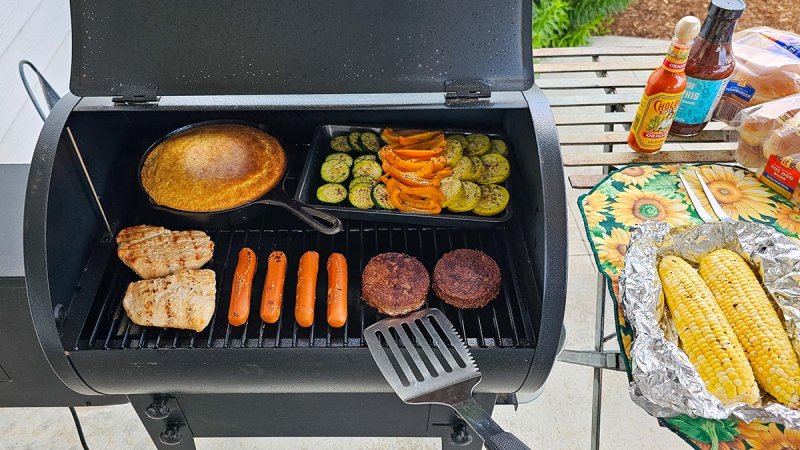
461 91
136 98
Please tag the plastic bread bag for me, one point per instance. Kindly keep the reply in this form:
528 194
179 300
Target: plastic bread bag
767 68
769 143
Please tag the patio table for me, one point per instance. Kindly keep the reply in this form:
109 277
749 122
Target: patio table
602 79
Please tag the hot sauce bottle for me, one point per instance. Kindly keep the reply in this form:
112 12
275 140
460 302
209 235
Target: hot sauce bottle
710 66
663 91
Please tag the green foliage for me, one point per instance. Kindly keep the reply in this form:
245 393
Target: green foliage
570 23
550 22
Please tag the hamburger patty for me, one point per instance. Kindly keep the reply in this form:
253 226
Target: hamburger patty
466 278
394 283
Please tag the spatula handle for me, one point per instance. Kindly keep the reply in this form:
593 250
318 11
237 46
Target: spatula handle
482 423
504 441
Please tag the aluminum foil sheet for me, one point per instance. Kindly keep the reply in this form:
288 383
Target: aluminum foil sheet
664 382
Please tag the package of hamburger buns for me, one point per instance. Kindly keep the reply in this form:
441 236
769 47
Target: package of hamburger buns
767 68
769 143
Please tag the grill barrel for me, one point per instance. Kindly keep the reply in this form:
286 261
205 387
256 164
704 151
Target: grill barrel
71 262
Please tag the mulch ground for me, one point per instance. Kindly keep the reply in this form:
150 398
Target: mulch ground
657 18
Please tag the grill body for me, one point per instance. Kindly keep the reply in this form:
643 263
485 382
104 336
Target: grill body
71 264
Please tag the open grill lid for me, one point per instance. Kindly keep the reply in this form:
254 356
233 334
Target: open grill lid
150 48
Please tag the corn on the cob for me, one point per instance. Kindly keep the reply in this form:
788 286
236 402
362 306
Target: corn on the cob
706 336
755 322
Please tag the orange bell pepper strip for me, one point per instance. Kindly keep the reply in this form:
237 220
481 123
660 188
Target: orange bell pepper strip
394 189
406 178
427 145
405 165
427 192
426 172
417 138
436 209
419 154
416 202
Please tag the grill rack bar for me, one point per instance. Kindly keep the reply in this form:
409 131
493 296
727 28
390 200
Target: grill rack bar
505 322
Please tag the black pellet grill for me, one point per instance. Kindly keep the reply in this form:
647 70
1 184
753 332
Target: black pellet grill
141 69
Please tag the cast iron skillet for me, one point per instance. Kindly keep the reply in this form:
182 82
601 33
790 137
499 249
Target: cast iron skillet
320 221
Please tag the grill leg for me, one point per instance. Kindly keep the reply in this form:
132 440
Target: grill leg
163 419
597 383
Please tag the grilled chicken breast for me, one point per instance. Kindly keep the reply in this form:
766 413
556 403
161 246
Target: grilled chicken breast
154 252
183 300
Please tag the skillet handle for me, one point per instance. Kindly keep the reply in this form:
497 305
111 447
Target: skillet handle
319 220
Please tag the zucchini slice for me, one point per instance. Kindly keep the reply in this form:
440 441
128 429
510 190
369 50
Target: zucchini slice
453 189
344 157
361 196
369 157
499 146
370 142
380 196
352 140
339 144
362 180
334 171
494 199
497 169
331 193
468 201
477 163
453 151
366 168
458 138
464 169
477 144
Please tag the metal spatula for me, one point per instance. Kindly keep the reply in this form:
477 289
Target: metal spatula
443 373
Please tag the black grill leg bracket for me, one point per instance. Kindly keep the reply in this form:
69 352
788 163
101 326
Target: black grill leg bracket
164 421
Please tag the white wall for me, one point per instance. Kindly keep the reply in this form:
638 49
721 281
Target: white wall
36 30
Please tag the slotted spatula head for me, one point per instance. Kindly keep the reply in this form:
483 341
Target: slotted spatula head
431 364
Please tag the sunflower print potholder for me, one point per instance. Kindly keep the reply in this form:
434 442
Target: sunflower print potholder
638 193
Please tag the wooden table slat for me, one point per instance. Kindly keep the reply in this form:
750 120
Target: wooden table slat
625 117
600 51
709 147
594 100
590 83
584 181
574 159
601 66
621 137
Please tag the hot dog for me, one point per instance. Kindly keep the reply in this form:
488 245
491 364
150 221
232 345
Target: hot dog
306 288
240 291
272 297
337 290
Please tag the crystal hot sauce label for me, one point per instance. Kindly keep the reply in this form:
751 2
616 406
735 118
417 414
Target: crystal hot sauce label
676 58
653 119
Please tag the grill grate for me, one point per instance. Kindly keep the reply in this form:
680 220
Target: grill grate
505 322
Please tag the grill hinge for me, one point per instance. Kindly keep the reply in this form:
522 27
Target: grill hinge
466 91
136 98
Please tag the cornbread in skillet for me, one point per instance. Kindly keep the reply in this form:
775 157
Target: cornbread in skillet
466 278
213 168
394 283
